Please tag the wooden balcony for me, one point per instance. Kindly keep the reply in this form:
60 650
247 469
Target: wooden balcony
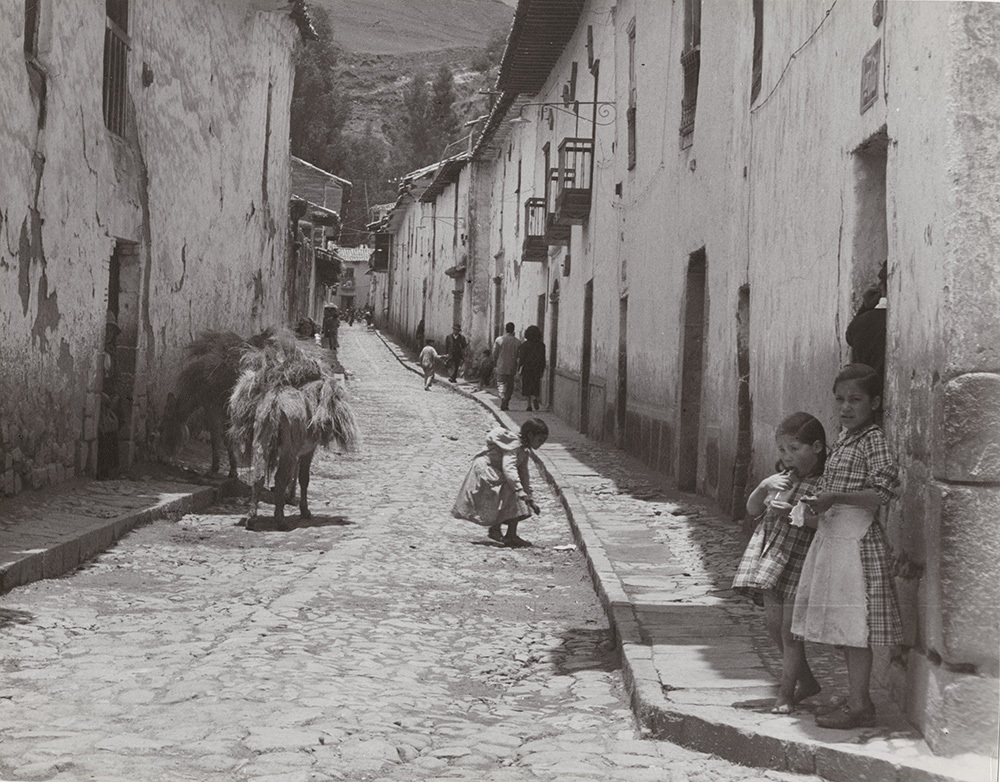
535 249
556 234
572 192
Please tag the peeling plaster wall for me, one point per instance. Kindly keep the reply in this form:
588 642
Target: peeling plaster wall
186 184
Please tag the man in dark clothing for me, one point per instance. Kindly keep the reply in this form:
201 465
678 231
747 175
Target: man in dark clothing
455 345
866 332
331 324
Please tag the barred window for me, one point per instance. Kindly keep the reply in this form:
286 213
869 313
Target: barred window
116 46
632 97
31 14
691 65
758 48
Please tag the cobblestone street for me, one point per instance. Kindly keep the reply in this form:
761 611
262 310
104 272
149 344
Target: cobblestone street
382 639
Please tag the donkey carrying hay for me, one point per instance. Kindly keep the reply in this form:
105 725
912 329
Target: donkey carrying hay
287 401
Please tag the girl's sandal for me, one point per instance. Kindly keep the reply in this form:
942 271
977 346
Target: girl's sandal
783 708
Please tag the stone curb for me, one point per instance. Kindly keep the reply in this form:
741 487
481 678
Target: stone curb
838 763
67 554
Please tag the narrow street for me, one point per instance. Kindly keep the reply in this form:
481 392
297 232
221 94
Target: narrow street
380 640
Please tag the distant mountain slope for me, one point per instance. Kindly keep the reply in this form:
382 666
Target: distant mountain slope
411 26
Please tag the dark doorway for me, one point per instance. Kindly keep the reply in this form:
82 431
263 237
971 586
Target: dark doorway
744 427
121 336
621 408
588 328
866 330
691 374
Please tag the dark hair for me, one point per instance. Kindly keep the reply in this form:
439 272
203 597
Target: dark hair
509 328
870 380
806 429
533 334
533 427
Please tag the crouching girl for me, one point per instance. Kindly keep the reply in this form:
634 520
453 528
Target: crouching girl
496 489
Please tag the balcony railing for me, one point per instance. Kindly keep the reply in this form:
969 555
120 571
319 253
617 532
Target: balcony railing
572 204
535 248
555 234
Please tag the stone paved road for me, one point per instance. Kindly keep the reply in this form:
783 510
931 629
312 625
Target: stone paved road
383 640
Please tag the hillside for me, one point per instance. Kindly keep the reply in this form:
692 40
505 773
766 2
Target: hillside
401 27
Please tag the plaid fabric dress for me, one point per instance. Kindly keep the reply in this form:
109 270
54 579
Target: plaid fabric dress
772 562
862 460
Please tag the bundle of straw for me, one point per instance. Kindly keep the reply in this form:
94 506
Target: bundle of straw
287 395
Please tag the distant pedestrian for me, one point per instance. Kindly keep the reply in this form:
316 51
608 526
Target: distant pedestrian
505 358
350 316
419 334
531 362
774 556
454 347
497 489
846 594
484 370
331 326
428 362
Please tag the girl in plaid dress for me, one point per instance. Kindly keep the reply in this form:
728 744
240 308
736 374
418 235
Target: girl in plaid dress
846 595
773 559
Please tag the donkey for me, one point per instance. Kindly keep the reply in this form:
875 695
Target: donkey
286 402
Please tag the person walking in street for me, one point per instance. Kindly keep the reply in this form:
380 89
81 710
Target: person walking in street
846 594
531 363
454 347
330 327
497 490
505 358
773 560
428 362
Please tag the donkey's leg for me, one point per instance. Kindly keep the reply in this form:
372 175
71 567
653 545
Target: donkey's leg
305 462
282 475
215 431
255 490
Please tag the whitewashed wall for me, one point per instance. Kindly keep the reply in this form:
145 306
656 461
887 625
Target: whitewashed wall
186 184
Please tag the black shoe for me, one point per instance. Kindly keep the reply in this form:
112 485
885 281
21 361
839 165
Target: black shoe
504 407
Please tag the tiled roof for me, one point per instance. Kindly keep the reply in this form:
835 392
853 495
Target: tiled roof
353 254
538 35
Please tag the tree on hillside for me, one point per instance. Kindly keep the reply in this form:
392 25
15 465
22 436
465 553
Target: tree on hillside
366 159
443 119
319 106
415 145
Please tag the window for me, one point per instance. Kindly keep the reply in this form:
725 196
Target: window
758 48
31 14
348 273
116 46
691 64
632 96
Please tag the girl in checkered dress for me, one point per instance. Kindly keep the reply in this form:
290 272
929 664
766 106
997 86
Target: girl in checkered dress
773 559
846 594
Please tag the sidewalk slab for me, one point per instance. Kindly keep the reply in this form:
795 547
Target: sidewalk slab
697 665
49 533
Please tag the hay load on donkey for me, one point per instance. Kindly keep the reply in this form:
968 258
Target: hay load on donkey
285 403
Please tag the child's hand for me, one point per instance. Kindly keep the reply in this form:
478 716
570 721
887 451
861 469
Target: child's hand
534 507
819 504
780 508
781 481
